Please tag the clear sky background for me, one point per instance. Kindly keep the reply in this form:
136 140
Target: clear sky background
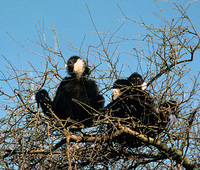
71 18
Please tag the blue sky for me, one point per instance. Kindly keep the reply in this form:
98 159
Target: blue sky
71 18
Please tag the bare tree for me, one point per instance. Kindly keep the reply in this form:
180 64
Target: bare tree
29 139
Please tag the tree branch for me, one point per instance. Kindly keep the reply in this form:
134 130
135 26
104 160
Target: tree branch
176 154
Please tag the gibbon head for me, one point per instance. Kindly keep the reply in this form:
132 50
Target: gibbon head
137 81
76 67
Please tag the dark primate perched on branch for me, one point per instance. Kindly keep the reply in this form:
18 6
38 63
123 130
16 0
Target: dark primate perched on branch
73 95
136 108
166 50
131 95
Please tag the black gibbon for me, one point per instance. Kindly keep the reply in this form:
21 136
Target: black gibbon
135 108
130 95
75 96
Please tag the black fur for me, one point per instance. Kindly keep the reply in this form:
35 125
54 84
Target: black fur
75 96
136 109
133 101
43 99
82 90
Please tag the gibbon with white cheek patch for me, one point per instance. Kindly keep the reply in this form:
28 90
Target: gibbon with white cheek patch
134 105
77 94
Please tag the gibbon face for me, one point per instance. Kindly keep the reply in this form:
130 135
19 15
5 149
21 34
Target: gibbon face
136 80
122 85
76 67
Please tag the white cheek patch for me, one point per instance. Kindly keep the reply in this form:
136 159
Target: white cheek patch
66 66
144 86
116 94
79 67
